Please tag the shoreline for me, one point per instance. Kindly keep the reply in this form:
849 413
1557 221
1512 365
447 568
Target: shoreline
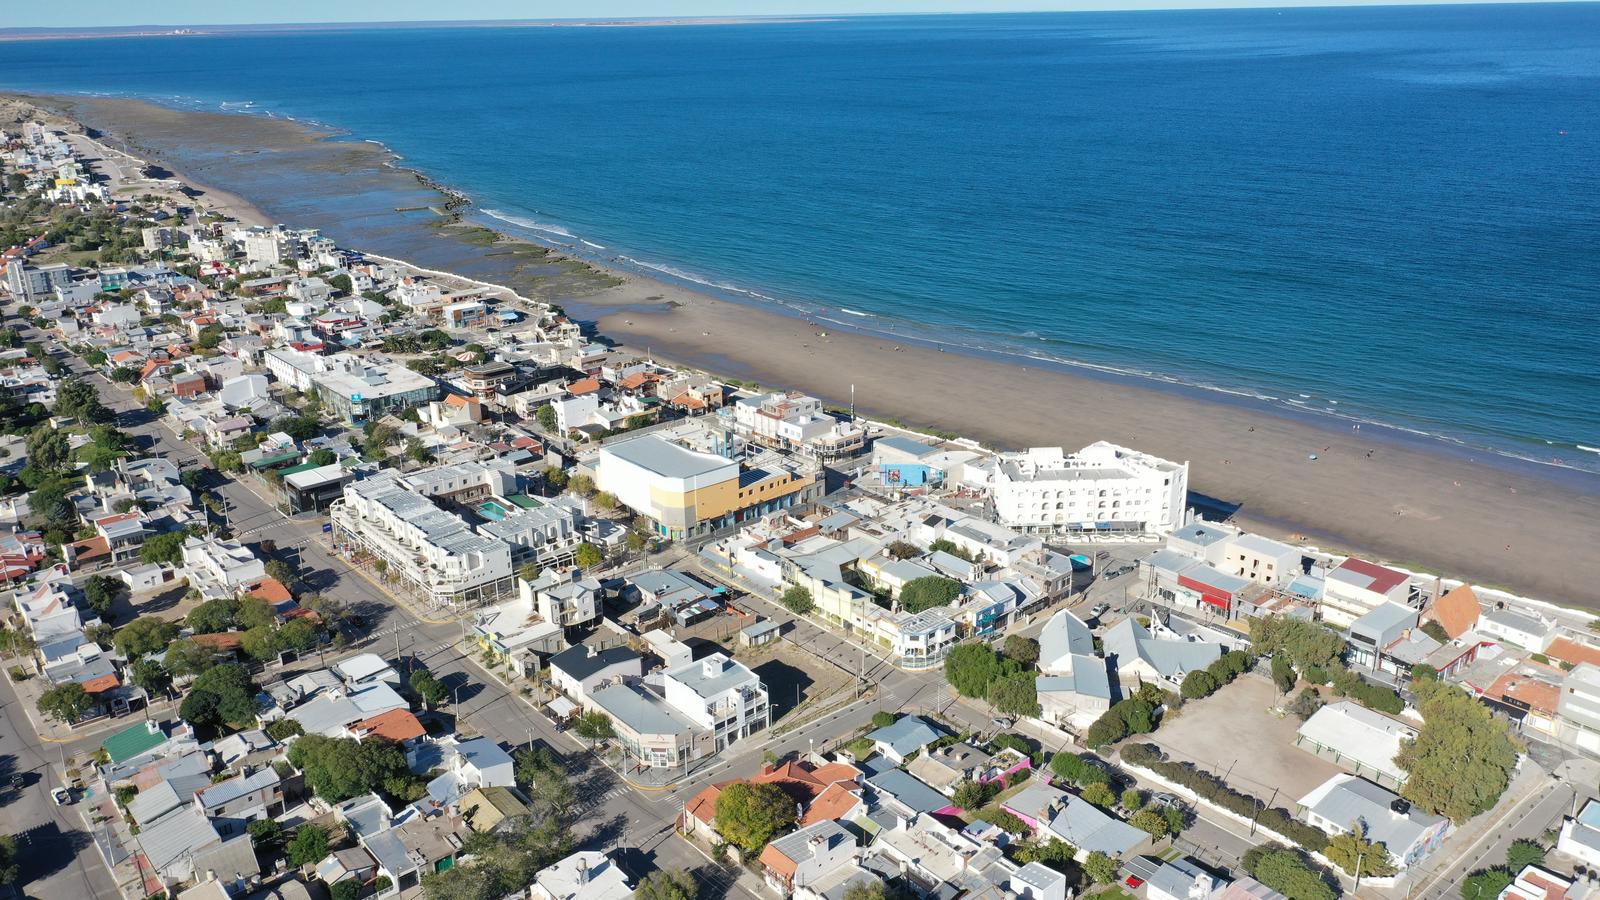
1418 502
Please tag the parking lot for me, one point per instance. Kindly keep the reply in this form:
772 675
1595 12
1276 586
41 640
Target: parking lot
1235 734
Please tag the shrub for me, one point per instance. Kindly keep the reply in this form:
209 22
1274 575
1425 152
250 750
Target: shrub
1197 684
1214 790
884 718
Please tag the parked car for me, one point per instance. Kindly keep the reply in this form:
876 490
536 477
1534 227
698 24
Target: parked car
1103 554
1165 800
1002 722
1114 573
61 796
1099 610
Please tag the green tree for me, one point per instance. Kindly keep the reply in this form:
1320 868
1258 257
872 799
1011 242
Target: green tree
883 718
101 591
903 550
281 571
341 283
66 703
928 592
337 769
1486 883
1100 868
971 668
587 556
48 450
283 729
945 545
1151 822
1288 872
667 884
188 657
749 815
1132 799
1308 643
146 634
1100 795
1016 694
594 726
1049 851
266 835
221 695
581 484
1283 673
254 612
1197 684
1352 847
322 457
428 687
9 869
546 417
152 676
798 600
1461 759
309 846
972 795
1024 650
163 548
348 889
213 616
555 476
1524 853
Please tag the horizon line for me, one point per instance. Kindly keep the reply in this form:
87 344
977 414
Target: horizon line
166 29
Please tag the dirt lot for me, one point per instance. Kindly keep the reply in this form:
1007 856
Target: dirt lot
1233 733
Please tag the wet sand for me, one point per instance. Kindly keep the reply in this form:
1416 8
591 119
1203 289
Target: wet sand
1413 502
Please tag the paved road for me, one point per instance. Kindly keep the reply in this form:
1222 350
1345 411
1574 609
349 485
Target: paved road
53 847
612 815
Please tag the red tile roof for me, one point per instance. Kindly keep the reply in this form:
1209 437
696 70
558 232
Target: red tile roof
268 589
583 386
220 641
1535 693
1384 579
396 725
103 683
832 803
1570 651
1457 611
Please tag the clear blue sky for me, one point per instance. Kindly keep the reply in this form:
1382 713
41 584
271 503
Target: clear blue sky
110 13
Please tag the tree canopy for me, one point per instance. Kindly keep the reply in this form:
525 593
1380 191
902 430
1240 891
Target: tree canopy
1461 759
667 884
928 592
66 703
337 769
146 634
221 695
798 600
749 815
1307 643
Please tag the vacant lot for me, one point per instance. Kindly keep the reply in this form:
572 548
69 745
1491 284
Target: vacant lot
795 679
1234 734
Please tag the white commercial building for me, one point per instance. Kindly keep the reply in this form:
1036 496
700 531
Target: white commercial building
721 695
1102 488
226 564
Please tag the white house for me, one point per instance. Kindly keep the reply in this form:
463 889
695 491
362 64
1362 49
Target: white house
1356 587
581 669
721 695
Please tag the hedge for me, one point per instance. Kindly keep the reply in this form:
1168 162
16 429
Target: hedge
1214 790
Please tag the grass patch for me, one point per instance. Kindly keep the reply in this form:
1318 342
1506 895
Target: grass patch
990 809
861 748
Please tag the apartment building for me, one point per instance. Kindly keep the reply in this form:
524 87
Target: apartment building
720 695
432 552
30 283
1356 587
687 492
358 389
220 566
1101 488
794 421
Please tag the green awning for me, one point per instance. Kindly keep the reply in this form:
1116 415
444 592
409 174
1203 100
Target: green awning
267 462
303 467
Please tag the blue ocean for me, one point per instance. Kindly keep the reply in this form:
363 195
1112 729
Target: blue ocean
1390 214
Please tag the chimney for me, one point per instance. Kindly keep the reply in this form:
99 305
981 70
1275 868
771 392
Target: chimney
211 874
711 666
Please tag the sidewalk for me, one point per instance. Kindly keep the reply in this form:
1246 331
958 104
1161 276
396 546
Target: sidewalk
49 730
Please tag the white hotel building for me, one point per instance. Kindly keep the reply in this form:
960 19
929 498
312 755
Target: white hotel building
435 553
1101 488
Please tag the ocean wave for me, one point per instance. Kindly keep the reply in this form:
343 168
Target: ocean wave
593 244
850 312
532 225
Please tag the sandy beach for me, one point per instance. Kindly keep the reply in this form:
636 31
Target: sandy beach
1412 502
